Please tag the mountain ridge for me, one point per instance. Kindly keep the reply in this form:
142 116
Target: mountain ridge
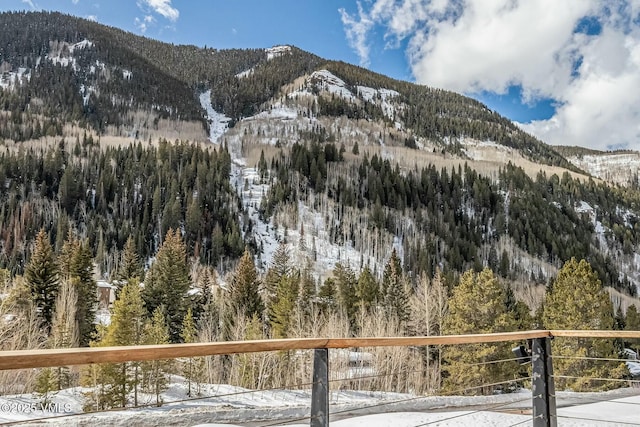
321 154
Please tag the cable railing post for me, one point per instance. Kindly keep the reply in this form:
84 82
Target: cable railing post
543 390
320 389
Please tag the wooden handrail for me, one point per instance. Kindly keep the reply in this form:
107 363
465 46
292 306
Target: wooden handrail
26 359
594 334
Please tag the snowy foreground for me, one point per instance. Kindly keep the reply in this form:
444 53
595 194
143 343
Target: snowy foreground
223 405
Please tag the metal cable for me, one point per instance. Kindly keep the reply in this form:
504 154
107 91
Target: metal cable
608 359
513 359
150 405
614 400
375 376
473 412
451 393
597 379
422 397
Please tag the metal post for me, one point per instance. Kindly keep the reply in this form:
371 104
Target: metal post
320 389
543 389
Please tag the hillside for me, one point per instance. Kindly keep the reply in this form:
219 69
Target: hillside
340 163
618 167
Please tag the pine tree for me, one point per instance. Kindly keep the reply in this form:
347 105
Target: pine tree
367 290
168 282
327 296
279 268
576 300
82 265
391 271
632 323
244 299
477 306
192 367
395 298
346 281
126 328
283 306
112 383
129 267
156 372
46 384
306 294
42 278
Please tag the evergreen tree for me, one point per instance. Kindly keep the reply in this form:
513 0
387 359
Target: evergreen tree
82 272
168 282
46 384
576 300
346 282
126 328
155 373
112 383
632 323
42 278
129 267
367 290
306 294
279 268
283 306
395 299
327 296
392 270
477 306
244 299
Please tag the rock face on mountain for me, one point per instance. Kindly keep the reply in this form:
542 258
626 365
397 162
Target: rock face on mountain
340 164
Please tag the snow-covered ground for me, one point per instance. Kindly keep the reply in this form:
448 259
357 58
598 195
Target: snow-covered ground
241 407
275 51
620 168
218 123
10 80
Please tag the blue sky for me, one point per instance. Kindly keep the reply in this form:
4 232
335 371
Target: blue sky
566 70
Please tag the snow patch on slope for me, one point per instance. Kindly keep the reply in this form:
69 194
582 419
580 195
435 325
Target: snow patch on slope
487 150
619 168
10 80
218 123
370 94
325 80
61 57
275 51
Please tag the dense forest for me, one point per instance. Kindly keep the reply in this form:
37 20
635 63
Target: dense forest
457 212
109 195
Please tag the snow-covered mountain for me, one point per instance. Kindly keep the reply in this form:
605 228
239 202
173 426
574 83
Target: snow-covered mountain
342 164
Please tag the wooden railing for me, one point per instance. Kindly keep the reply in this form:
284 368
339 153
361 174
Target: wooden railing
542 383
23 359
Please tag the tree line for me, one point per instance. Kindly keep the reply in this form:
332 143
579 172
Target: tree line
460 214
167 304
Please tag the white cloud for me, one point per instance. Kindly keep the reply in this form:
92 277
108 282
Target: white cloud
161 7
488 45
75 1
31 4
143 24
93 18
356 31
